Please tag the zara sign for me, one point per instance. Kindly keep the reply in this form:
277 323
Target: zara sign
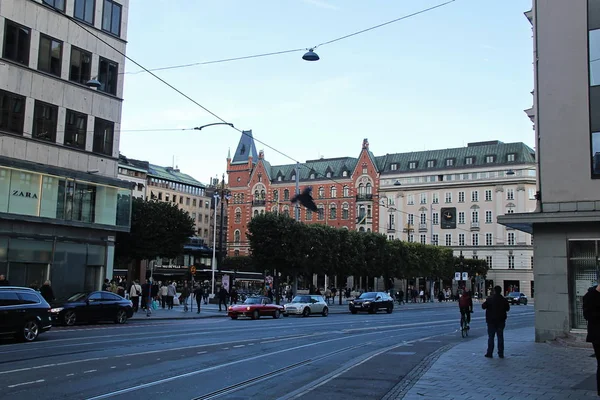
28 195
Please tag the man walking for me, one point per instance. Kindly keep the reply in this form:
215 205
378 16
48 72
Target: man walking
591 312
496 307
199 293
4 281
134 295
223 298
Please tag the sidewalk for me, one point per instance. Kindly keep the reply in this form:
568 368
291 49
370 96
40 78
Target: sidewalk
529 371
212 310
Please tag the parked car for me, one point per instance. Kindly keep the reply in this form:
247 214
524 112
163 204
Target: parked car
255 307
92 307
23 313
306 305
372 302
517 298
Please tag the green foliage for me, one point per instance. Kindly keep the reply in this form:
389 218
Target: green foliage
158 229
472 266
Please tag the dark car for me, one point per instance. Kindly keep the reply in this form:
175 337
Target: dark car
516 298
92 307
23 313
372 302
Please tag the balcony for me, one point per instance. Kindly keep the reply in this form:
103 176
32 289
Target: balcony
259 203
422 227
364 197
474 226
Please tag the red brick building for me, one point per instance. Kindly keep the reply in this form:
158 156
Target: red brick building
344 189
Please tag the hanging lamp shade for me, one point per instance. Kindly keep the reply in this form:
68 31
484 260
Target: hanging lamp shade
310 55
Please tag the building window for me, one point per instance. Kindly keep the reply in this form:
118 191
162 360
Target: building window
17 40
488 195
475 196
238 215
410 199
423 198
107 75
475 239
286 195
510 210
510 194
435 217
412 165
276 195
488 217
75 129
430 163
309 214
57 4
489 239
332 212
236 237
81 66
111 17
423 239
346 191
394 167
449 162
435 239
490 159
531 262
469 160
423 219
50 55
475 216
333 192
461 239
461 197
488 261
12 112
510 157
511 262
448 239
187 201
511 238
448 197
344 173
279 178
411 219
84 10
44 121
312 175
321 213
435 199
321 192
103 137
328 174
461 217
345 211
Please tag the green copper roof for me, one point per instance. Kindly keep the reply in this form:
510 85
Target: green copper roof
336 166
172 175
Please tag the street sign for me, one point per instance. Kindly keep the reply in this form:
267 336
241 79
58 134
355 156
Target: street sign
457 276
465 276
193 269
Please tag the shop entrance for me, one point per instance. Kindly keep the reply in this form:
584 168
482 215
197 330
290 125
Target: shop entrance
583 273
27 274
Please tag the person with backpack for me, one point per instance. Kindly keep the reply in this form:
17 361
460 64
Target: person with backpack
465 305
134 295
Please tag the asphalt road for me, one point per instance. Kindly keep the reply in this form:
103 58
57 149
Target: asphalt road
342 356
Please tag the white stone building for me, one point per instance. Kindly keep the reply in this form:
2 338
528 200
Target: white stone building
60 109
452 197
136 172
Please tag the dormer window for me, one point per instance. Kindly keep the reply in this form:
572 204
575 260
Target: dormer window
312 175
243 150
394 167
279 178
510 157
469 160
490 159
293 177
430 163
449 162
412 165
328 174
345 173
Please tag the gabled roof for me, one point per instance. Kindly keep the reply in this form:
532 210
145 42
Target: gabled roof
477 152
172 175
245 149
319 167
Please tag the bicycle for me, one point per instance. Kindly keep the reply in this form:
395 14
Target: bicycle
464 326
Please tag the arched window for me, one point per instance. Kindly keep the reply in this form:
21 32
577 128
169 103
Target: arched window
286 211
255 213
236 253
361 229
309 215
242 198
236 237
333 192
321 192
332 211
256 195
276 195
369 189
345 211
238 215
262 212
274 209
346 191
321 215
286 195
361 189
263 194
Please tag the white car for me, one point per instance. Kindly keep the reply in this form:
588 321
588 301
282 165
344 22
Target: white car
306 304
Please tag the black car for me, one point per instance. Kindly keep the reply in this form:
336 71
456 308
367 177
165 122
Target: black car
517 298
372 302
92 307
23 313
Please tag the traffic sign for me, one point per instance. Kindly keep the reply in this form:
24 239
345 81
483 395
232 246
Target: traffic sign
457 276
193 269
465 276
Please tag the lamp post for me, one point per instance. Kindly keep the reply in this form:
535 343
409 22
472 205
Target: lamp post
214 252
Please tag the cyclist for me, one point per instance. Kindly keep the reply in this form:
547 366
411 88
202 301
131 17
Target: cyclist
465 304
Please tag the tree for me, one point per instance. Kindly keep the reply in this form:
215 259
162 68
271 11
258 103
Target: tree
157 230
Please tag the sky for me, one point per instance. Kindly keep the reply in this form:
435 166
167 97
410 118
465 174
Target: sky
457 74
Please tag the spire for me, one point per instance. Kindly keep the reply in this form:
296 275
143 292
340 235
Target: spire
229 153
250 154
245 149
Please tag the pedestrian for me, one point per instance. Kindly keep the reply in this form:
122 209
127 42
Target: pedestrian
185 293
233 295
46 292
327 295
400 297
106 285
591 312
171 293
223 298
198 293
496 307
134 295
4 281
164 293
147 297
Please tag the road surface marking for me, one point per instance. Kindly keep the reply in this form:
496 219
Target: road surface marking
70 374
225 348
26 383
113 367
90 371
239 345
128 364
201 352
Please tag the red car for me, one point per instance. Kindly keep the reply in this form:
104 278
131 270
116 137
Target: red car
255 307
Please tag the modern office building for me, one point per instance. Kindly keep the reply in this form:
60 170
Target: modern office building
566 112
61 91
451 197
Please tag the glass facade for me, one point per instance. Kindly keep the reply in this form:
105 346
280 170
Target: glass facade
40 195
594 79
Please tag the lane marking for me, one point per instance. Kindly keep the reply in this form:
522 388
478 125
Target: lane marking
201 352
70 375
239 345
26 383
113 367
225 348
90 371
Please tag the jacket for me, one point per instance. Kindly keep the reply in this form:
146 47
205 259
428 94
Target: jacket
171 291
496 307
591 312
465 301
